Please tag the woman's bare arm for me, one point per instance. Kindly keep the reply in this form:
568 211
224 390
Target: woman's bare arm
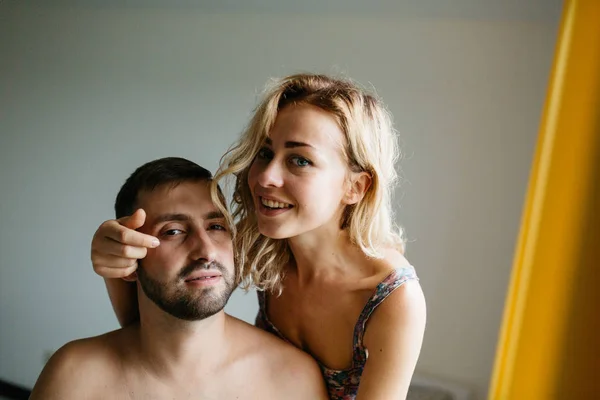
116 248
123 297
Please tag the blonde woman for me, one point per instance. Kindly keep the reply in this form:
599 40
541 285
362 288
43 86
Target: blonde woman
314 232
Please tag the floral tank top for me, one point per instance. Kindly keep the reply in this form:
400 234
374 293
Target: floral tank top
343 384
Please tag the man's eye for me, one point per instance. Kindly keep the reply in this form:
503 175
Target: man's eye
173 232
218 227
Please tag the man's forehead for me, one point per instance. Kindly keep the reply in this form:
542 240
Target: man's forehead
191 199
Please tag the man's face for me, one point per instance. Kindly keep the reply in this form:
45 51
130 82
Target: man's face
191 274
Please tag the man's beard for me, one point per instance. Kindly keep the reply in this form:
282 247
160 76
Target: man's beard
182 302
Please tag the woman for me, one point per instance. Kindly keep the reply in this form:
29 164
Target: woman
314 176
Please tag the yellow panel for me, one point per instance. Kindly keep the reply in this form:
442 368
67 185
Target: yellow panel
549 345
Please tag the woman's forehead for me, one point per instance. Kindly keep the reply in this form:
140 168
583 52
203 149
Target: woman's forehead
305 125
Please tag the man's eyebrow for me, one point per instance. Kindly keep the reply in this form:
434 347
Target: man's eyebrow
172 217
178 217
289 144
214 215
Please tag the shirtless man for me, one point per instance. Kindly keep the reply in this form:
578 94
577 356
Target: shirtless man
184 346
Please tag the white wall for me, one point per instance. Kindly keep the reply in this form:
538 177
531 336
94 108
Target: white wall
89 95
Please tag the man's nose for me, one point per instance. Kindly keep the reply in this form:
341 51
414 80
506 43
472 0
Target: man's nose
203 247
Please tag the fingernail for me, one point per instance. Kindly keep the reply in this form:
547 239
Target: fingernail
155 243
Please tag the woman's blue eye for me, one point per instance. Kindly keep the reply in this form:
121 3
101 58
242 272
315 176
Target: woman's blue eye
218 227
300 161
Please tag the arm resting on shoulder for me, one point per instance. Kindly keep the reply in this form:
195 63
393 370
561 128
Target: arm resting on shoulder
393 338
123 297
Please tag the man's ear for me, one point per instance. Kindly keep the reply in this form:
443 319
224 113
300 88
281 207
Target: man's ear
131 277
359 184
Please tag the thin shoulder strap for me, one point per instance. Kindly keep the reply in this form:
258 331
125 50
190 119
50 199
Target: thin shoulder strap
392 282
261 300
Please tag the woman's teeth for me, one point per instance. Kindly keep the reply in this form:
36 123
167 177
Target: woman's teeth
273 204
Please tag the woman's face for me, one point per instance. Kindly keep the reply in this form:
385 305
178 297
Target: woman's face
298 180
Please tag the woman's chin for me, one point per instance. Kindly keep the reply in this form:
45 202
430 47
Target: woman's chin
273 232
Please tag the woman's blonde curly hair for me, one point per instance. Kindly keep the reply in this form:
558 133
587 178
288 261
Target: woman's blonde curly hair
370 146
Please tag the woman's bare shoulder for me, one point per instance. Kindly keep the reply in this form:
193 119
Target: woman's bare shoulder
382 267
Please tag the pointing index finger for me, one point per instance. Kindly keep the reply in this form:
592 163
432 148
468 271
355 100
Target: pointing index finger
131 237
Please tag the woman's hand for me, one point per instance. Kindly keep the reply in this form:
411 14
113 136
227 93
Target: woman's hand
117 246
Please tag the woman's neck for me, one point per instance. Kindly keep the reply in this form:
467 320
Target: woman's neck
325 255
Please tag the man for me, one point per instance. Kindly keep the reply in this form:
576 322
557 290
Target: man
184 346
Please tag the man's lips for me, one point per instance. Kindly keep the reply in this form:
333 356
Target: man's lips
203 275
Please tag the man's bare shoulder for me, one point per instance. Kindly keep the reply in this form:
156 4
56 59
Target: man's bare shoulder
255 341
79 368
292 372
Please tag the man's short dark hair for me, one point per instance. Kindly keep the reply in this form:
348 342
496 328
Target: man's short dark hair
164 171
